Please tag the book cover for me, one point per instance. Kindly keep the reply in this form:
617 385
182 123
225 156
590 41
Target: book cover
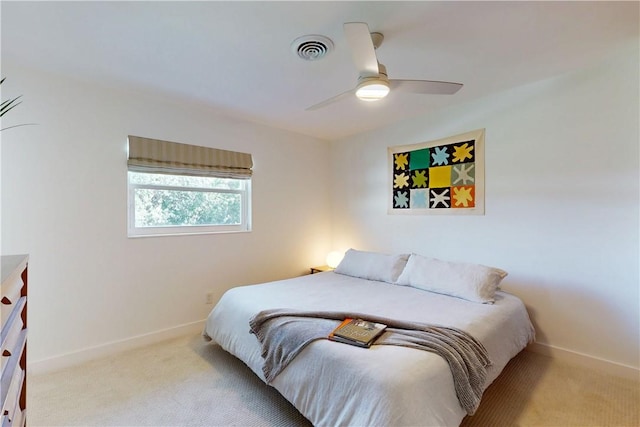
357 332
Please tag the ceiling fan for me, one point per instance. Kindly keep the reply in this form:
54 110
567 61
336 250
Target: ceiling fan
373 83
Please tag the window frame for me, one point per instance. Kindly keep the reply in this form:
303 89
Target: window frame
245 211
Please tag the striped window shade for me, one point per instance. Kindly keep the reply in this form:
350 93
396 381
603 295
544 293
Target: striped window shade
156 156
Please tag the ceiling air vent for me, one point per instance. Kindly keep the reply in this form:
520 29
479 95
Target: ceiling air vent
312 47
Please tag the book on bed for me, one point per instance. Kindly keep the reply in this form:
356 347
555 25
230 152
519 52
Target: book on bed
361 333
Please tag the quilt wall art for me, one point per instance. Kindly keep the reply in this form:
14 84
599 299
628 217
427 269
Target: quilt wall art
442 177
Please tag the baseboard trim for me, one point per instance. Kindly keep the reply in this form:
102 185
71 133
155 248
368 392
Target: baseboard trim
84 355
582 359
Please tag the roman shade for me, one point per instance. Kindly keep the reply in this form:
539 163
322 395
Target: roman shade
157 156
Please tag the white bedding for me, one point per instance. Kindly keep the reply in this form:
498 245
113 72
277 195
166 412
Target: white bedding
338 384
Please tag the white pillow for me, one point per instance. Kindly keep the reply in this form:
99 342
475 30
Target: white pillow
372 265
472 282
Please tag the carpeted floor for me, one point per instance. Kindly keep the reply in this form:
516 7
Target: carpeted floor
535 390
188 382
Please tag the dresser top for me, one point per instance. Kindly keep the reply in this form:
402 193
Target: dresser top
12 262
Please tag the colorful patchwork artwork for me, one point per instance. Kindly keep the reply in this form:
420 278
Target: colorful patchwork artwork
439 177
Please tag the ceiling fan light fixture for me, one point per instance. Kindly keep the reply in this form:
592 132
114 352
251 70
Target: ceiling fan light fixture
372 89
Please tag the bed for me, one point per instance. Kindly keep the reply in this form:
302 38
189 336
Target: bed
332 383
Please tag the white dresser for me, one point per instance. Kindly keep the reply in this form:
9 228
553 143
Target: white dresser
13 309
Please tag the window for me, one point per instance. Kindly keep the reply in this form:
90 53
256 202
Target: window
178 204
183 189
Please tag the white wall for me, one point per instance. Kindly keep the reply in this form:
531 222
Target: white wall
561 202
64 202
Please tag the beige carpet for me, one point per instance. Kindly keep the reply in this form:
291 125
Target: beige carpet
535 390
187 382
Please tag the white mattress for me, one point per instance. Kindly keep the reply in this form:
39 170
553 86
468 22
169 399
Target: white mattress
337 384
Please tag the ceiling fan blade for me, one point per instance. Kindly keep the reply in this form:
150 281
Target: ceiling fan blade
330 100
425 86
362 49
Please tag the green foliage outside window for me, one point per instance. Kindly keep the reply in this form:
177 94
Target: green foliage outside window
186 200
157 208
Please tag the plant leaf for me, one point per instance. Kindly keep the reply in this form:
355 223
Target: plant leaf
8 105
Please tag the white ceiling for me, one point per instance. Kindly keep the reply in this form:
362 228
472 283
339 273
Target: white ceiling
236 56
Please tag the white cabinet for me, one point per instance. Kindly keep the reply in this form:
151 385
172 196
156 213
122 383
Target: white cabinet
13 310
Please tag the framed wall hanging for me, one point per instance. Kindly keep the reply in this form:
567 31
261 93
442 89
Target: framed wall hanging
442 177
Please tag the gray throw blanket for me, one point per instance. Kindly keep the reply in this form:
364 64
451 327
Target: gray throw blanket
285 333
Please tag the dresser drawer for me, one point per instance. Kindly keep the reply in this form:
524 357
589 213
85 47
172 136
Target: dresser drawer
11 407
16 420
9 296
13 340
11 333
12 370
